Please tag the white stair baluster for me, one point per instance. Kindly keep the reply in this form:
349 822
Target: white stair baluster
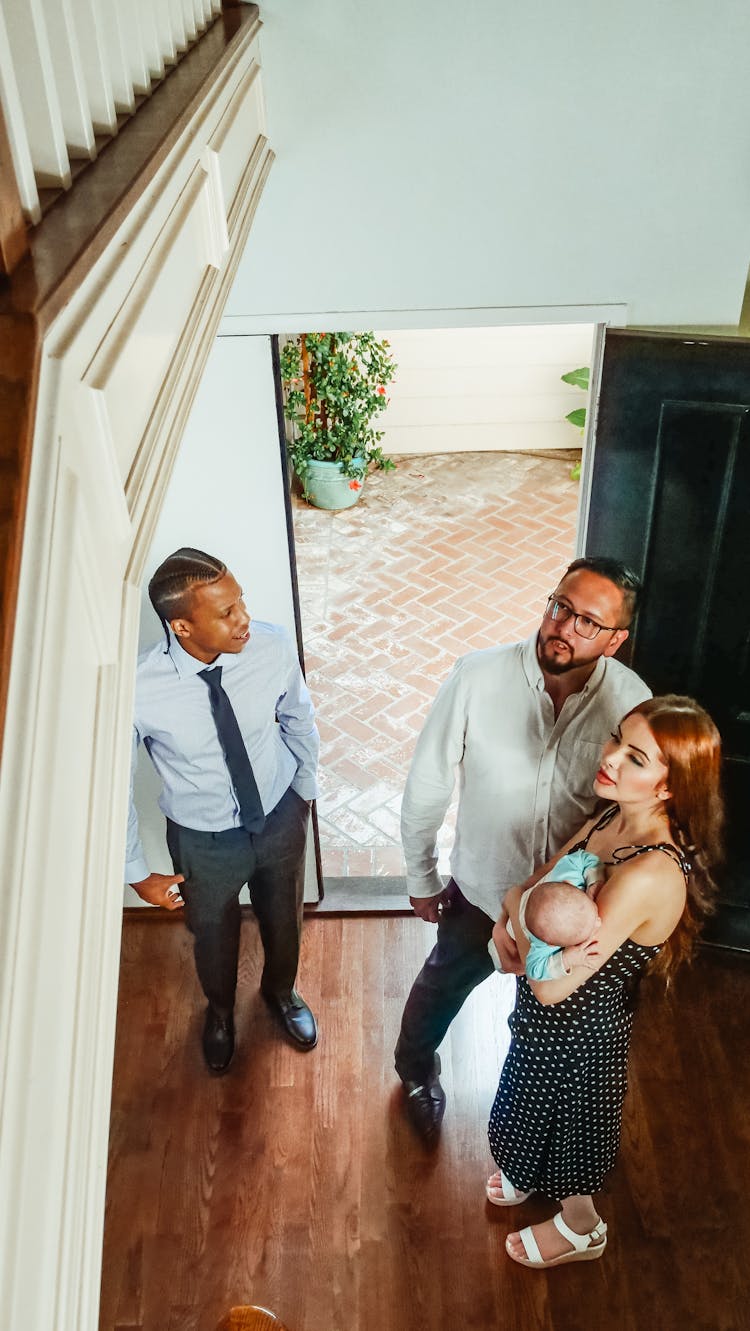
116 51
200 17
16 127
95 66
177 24
154 61
188 15
129 16
69 77
164 34
29 48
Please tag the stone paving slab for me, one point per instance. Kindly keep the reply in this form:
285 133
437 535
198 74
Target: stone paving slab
447 554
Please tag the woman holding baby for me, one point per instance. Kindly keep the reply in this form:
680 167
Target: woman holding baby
555 1123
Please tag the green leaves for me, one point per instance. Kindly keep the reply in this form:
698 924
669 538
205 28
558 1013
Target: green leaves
578 378
335 385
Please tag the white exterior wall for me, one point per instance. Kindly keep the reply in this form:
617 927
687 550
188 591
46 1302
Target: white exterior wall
435 157
482 389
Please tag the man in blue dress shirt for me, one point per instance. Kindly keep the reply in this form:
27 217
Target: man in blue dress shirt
228 723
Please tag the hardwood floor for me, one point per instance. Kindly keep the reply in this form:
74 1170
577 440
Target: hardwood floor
294 1183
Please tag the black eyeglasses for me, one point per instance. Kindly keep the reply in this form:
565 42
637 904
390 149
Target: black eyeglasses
582 624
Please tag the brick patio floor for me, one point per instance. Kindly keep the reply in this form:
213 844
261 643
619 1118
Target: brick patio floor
445 555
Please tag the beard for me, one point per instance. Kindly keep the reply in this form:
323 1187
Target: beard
555 665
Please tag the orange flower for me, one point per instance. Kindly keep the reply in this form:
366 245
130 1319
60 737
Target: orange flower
381 390
355 485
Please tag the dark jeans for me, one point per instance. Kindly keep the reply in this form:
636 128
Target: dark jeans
458 962
216 866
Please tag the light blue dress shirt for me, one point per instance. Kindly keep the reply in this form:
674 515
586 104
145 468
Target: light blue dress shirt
173 718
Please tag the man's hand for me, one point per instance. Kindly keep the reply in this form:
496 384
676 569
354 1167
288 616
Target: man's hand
160 889
431 908
506 948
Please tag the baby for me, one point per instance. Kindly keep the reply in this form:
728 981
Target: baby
559 917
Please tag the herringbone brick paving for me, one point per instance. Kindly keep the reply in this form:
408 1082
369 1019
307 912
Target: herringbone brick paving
445 555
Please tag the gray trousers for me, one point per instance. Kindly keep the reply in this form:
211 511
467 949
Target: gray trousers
216 866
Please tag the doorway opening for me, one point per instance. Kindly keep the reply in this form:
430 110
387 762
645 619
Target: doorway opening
455 551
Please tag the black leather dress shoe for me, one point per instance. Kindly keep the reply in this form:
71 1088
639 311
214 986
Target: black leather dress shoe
425 1105
218 1040
295 1016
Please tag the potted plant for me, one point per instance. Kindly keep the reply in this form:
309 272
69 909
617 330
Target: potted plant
335 386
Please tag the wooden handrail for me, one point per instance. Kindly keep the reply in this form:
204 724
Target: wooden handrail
14 243
62 250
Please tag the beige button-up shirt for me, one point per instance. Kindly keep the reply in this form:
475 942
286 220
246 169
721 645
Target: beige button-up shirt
525 779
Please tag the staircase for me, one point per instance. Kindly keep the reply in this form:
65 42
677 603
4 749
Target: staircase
73 71
93 94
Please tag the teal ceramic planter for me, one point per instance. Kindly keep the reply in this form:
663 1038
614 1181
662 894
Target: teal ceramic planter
325 485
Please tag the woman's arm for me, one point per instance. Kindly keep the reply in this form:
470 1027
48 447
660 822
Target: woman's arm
646 893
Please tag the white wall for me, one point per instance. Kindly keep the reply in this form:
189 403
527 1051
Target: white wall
225 496
434 156
472 389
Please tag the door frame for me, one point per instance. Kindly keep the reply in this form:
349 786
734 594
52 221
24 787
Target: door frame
488 317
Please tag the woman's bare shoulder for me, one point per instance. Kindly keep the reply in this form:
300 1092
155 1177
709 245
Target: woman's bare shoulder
636 865
649 888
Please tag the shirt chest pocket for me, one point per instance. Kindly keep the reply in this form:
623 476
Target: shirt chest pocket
581 761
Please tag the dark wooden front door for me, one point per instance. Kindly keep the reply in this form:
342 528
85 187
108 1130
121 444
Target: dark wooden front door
671 496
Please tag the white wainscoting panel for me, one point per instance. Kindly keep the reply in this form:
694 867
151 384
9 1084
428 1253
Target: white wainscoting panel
132 361
120 367
241 128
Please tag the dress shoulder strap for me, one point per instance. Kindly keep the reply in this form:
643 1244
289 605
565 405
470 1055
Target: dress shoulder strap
678 856
601 822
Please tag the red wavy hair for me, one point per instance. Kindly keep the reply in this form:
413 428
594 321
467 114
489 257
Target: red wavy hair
691 745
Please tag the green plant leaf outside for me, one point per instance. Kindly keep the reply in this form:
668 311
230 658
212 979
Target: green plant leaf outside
577 417
578 378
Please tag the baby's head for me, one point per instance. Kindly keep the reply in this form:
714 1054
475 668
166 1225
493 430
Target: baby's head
560 914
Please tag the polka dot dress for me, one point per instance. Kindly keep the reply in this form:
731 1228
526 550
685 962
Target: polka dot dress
555 1123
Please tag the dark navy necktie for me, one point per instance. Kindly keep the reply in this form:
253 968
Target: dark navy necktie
235 753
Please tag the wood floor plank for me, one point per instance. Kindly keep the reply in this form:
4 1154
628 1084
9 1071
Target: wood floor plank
294 1181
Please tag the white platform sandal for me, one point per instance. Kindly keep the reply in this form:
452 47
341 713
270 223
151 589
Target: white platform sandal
586 1247
511 1196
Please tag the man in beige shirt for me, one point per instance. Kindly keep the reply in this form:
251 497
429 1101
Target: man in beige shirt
523 727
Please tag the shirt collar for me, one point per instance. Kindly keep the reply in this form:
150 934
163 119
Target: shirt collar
188 666
531 663
596 676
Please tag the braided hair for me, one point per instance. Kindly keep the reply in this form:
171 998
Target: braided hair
171 586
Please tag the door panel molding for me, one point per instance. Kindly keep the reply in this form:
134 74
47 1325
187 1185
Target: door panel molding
670 495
